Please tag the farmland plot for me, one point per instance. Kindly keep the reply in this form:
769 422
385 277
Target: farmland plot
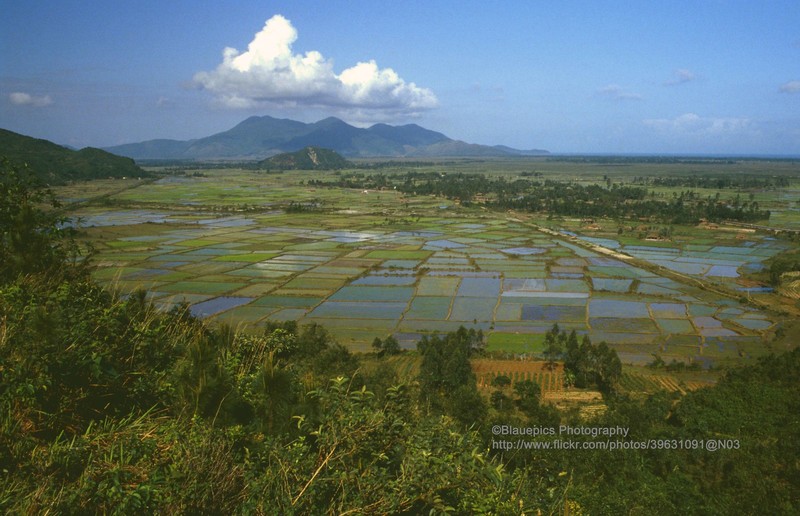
365 272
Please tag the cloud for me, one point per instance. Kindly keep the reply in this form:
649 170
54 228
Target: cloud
681 76
269 73
693 124
164 102
26 99
790 87
615 92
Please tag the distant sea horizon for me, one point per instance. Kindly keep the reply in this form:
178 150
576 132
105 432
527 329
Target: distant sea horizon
672 155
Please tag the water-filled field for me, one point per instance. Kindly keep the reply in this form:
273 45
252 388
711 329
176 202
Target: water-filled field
364 274
722 258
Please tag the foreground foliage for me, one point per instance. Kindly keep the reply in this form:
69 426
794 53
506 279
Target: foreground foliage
110 406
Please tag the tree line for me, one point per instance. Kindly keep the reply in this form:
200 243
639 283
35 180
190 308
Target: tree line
558 198
714 182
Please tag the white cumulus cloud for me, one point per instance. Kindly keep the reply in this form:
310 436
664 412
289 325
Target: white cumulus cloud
26 99
790 87
270 73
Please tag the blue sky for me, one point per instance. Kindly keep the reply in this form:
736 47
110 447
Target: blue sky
697 77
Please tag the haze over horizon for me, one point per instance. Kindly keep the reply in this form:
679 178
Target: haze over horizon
700 77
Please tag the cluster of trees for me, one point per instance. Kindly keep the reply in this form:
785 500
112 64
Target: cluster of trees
446 381
629 202
387 346
585 364
520 403
558 198
785 262
377 165
700 180
463 187
674 365
32 239
311 206
358 180
108 405
637 160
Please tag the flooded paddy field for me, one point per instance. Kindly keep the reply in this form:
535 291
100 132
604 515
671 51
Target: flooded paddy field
727 257
372 264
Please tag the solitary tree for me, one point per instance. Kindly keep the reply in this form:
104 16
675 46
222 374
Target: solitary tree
552 346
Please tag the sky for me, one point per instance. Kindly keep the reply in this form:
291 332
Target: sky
650 77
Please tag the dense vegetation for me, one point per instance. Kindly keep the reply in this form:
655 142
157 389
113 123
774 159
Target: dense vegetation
786 263
661 160
560 198
55 164
586 364
33 240
717 182
110 406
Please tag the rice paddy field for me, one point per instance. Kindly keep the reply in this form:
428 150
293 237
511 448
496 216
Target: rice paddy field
719 255
369 264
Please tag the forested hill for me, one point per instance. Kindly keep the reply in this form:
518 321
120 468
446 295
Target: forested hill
55 164
310 158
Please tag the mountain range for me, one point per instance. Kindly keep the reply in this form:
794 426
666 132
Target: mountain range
260 137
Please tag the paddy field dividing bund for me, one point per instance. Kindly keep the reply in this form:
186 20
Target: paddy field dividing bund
369 264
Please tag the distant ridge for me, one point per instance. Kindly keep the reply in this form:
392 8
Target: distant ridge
257 138
310 158
56 164
517 152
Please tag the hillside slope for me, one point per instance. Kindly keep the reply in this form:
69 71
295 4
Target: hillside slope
56 164
310 158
